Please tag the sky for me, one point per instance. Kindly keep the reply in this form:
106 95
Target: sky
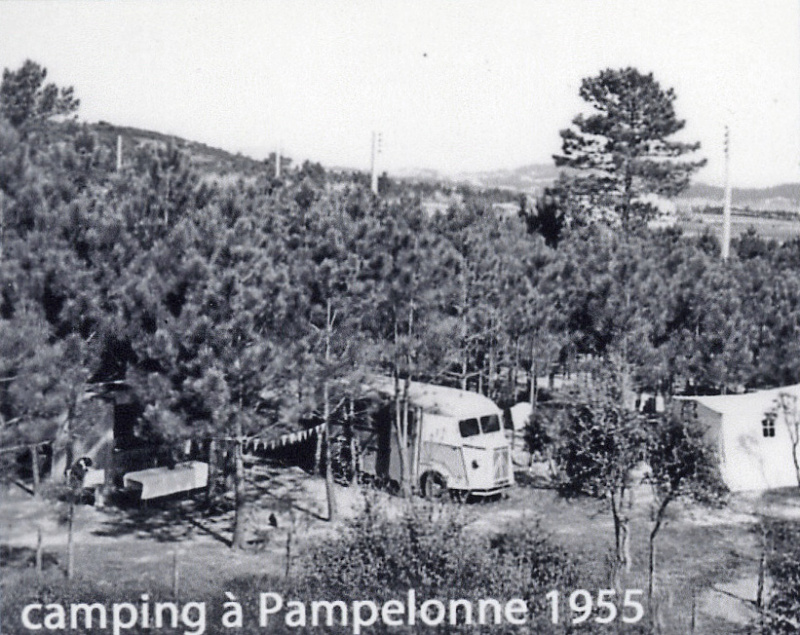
451 85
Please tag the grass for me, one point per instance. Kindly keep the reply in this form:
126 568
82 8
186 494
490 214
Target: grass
698 550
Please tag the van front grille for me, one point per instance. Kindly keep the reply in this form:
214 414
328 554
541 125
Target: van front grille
501 465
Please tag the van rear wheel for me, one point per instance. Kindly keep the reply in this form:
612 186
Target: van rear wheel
434 485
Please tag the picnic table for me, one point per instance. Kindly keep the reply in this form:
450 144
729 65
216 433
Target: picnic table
163 481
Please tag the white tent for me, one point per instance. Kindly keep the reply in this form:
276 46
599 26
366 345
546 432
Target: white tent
755 454
521 414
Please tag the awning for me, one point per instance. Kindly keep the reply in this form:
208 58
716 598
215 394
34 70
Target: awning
163 481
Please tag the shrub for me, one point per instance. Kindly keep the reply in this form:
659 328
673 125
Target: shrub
431 549
782 613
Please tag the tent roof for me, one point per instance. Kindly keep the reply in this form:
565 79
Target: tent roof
752 402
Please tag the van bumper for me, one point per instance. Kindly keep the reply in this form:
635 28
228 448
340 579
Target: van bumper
499 488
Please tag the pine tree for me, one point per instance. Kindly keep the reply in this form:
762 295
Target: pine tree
621 152
25 99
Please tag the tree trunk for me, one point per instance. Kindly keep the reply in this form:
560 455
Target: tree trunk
401 430
651 574
317 467
464 368
70 539
513 373
239 519
465 327
2 225
621 540
651 555
491 383
415 434
329 492
534 387
326 415
70 431
289 536
625 545
534 390
354 458
212 471
761 600
39 552
34 450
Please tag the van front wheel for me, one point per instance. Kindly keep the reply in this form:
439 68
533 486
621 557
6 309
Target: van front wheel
433 485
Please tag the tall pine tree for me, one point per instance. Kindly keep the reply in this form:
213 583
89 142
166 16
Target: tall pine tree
622 152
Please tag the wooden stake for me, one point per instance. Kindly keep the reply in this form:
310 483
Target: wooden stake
39 551
70 539
176 574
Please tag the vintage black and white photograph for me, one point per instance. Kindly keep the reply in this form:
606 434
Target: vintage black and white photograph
400 317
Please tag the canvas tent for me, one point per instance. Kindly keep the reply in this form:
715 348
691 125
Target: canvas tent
755 453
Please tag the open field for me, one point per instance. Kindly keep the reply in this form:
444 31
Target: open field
770 228
705 556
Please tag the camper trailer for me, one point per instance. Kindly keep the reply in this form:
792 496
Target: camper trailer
455 441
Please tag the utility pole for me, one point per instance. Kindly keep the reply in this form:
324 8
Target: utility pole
119 152
278 162
726 206
376 150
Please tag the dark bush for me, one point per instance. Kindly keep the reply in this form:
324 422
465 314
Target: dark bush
782 613
432 550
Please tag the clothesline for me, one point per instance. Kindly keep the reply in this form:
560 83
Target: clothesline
256 442
26 446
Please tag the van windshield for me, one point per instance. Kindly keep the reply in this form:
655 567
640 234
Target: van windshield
469 427
472 427
490 423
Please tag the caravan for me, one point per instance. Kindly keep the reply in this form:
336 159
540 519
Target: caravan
455 441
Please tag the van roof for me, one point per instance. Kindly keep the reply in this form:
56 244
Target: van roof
441 400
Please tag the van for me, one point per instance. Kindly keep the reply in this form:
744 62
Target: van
455 441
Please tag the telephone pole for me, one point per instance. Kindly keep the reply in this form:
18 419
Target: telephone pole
376 150
119 152
726 206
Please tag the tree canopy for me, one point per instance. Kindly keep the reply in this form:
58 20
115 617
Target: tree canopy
25 98
233 304
622 152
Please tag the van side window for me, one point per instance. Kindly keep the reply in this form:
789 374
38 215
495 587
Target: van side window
469 427
490 423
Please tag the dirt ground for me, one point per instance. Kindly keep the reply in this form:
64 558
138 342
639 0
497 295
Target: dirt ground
708 558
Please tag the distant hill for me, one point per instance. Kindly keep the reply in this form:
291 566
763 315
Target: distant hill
533 178
530 179
205 157
785 197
